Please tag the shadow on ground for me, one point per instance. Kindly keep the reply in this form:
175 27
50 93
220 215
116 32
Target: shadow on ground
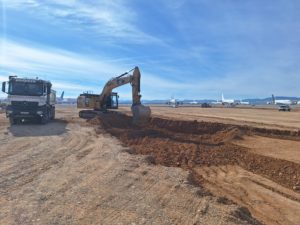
55 127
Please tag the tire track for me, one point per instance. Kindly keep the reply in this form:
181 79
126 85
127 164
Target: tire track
256 193
197 146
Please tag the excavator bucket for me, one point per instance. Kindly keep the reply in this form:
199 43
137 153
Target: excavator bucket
141 114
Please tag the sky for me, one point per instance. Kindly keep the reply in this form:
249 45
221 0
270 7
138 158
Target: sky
189 49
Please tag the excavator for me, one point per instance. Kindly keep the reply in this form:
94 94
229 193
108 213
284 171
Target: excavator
95 104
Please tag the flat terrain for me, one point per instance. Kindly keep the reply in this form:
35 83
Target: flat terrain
73 172
276 148
268 117
257 154
172 170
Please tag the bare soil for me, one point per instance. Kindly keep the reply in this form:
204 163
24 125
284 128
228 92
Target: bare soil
173 170
251 116
276 148
75 172
267 200
219 159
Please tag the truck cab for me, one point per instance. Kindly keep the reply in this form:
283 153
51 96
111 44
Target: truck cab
29 99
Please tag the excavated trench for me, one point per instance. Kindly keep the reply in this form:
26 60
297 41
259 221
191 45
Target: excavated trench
189 144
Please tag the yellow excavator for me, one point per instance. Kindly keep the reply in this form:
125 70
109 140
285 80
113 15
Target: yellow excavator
95 104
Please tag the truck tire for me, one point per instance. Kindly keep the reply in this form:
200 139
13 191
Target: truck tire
52 113
45 118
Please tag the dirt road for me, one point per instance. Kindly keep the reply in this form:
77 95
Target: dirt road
73 172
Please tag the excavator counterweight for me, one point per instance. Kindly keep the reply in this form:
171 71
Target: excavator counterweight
109 100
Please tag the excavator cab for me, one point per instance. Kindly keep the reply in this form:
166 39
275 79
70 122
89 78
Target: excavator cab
112 102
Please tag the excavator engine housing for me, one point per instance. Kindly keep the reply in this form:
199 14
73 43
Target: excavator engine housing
90 101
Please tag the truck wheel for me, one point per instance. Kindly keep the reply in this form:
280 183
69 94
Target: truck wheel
53 114
45 118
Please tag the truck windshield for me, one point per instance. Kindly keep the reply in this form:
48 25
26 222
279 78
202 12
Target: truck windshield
23 88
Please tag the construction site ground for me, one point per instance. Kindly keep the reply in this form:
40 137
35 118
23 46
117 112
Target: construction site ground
185 166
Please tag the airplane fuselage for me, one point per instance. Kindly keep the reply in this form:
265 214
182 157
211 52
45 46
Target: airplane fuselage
285 102
228 102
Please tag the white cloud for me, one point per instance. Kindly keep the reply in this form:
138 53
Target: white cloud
69 86
236 49
115 19
49 60
74 72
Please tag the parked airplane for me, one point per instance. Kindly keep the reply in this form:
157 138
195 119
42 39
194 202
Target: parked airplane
230 102
173 102
61 100
283 101
244 103
227 101
217 102
193 102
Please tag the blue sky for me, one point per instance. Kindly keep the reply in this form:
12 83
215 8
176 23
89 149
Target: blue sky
190 49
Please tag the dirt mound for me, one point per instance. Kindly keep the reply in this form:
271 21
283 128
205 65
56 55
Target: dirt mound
190 143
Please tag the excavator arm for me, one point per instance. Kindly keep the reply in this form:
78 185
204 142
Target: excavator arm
133 79
140 112
107 90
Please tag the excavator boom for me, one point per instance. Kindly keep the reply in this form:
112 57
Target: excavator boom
102 102
107 90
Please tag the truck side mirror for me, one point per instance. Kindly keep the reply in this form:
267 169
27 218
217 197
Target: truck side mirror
4 87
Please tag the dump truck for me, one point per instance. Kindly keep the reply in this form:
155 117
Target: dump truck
29 99
95 104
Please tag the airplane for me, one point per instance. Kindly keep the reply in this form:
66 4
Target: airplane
228 101
193 102
173 102
283 101
244 103
61 99
217 103
62 96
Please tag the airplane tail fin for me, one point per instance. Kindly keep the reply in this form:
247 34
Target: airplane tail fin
62 95
273 99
